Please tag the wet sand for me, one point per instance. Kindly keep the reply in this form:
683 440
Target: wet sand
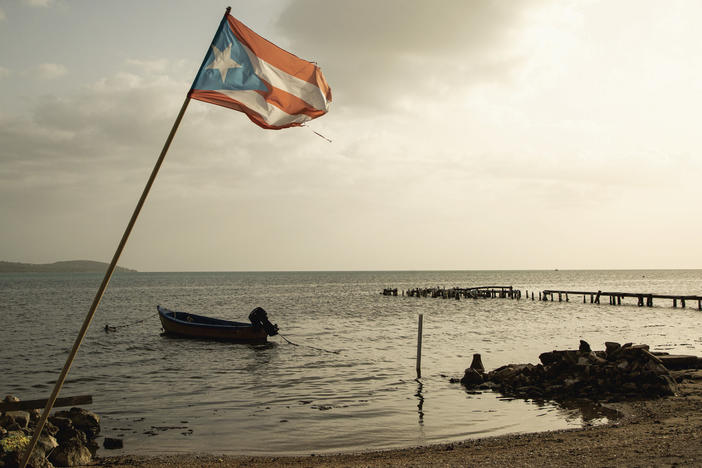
662 432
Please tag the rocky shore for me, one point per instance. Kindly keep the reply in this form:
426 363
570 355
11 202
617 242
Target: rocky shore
614 374
68 437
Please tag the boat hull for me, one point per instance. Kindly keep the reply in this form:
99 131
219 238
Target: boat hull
188 325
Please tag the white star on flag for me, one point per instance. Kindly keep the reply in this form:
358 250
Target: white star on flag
223 61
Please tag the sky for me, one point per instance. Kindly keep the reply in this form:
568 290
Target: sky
466 135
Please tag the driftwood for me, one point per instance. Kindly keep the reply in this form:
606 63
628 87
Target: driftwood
32 404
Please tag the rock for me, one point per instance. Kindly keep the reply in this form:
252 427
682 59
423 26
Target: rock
70 433
14 441
110 444
93 446
34 415
21 418
472 378
86 421
11 399
45 445
667 386
70 453
39 462
617 373
507 373
567 357
60 422
477 364
8 423
49 428
680 362
11 460
583 361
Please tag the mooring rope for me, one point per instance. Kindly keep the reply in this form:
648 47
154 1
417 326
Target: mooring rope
114 328
308 346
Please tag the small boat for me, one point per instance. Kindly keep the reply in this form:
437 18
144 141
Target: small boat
189 325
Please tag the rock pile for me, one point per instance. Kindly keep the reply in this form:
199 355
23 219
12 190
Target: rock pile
617 373
68 438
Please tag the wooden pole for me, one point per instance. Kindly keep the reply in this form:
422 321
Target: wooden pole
419 346
101 291
110 270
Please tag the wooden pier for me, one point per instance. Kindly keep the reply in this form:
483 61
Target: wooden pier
615 298
476 292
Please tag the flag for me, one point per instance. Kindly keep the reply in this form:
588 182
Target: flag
273 87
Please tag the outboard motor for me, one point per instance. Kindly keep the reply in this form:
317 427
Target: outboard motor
259 318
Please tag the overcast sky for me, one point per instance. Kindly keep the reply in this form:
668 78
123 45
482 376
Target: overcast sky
466 135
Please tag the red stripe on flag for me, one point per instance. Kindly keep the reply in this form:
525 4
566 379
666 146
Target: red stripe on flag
279 58
213 97
289 103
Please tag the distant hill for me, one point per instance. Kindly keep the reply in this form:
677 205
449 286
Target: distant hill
70 266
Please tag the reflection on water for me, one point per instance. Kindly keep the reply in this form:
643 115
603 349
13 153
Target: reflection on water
171 395
420 401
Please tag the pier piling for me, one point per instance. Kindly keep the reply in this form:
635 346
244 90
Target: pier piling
616 298
419 346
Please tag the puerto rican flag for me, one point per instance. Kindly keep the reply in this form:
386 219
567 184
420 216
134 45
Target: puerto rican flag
273 87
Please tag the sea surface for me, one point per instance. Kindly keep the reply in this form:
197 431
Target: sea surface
349 383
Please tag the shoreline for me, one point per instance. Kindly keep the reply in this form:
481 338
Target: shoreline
658 432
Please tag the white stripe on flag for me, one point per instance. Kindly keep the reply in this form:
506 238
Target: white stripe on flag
270 113
304 90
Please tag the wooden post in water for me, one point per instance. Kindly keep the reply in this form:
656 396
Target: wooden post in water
419 346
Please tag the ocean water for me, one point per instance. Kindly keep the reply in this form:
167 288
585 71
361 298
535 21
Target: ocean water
349 384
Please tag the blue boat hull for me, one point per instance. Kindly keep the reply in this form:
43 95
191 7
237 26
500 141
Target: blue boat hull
189 325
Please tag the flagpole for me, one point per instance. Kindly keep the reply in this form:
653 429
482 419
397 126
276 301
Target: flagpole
108 274
101 291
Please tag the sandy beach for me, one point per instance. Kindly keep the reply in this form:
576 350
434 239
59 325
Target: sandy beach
660 432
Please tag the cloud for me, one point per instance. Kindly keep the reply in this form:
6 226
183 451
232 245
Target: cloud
51 71
452 126
4 72
149 66
38 3
3 16
376 53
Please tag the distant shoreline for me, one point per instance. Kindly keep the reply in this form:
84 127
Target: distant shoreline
69 266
